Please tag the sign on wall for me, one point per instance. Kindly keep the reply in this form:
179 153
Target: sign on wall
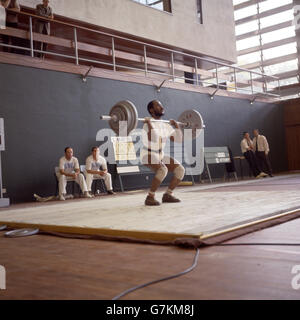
123 148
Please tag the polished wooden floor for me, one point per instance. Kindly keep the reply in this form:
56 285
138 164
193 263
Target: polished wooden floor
47 267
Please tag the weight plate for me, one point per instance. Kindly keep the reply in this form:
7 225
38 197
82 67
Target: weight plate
194 121
120 113
21 233
123 111
132 124
3 227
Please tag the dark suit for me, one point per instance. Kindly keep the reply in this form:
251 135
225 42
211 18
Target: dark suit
253 163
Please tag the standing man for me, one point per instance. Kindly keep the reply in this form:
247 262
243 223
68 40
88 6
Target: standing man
261 149
155 135
2 17
43 26
247 150
69 167
12 21
96 168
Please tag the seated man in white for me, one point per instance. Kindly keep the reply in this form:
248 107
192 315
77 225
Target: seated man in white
96 168
69 167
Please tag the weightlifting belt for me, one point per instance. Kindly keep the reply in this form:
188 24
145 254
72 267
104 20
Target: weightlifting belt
150 150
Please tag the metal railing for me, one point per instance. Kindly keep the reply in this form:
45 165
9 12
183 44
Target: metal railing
230 74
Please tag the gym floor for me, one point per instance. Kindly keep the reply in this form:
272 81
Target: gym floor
48 267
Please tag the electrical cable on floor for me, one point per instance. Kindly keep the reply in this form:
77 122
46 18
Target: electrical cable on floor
162 279
195 262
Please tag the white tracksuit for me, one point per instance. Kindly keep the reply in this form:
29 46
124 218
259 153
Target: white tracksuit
69 166
97 165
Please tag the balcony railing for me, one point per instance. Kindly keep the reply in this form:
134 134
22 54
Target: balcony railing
86 46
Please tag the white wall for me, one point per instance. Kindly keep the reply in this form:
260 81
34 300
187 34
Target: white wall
214 38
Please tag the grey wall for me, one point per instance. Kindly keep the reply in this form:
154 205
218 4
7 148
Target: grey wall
45 111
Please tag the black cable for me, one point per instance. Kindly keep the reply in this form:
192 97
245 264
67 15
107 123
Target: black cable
124 293
195 262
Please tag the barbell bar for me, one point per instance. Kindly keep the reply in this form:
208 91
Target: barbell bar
126 112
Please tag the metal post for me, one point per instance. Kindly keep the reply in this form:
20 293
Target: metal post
76 46
31 36
217 76
266 85
145 60
235 84
251 81
196 71
113 53
173 67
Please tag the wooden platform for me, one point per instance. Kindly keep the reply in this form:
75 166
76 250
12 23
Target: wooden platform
204 211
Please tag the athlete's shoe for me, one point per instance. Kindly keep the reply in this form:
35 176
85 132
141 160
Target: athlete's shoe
263 175
169 198
151 202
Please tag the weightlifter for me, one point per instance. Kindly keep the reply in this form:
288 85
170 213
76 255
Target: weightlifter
155 135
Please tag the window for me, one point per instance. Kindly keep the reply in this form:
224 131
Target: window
199 11
248 43
278 35
236 2
282 67
285 82
249 58
277 51
276 18
163 5
245 12
272 4
246 27
268 31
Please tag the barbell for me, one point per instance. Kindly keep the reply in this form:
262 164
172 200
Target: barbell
125 112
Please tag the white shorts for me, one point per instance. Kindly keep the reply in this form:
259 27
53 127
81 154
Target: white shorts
156 158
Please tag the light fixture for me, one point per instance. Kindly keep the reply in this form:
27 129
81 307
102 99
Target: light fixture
86 74
253 100
213 94
159 87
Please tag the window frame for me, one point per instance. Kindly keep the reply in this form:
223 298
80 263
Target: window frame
199 7
148 6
